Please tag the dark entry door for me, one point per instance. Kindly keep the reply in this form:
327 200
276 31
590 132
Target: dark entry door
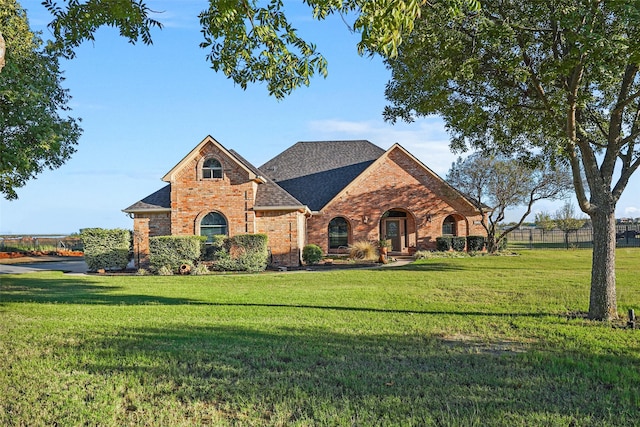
393 234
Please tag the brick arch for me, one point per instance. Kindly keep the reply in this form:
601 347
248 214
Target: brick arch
460 224
349 224
203 159
202 214
407 228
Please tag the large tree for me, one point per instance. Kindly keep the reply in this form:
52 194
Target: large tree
33 134
496 184
556 78
248 40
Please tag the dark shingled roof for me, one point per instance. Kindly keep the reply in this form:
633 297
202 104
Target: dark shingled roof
161 199
315 172
269 194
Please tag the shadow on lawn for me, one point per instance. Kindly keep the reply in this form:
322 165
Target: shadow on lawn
306 376
66 289
73 290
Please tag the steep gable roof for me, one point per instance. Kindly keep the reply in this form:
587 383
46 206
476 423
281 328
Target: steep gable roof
315 172
196 152
444 184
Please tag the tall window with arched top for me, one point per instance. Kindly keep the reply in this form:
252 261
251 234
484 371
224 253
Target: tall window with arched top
449 226
211 168
338 233
213 224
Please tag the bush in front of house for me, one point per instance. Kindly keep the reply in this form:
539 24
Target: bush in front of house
173 251
363 250
244 252
212 249
458 243
475 243
107 249
444 243
311 254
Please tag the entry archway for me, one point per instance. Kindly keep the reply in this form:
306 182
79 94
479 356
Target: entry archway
398 226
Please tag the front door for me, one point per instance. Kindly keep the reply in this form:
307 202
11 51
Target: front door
393 234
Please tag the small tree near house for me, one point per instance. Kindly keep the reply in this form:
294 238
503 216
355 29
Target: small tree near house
497 183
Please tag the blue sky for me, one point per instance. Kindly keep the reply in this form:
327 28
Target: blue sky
144 107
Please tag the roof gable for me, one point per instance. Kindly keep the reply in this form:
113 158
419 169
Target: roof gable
315 172
196 152
443 184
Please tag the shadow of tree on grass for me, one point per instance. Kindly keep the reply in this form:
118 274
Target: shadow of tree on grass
59 288
308 376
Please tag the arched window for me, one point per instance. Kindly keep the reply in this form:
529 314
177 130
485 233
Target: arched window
213 224
338 233
211 168
449 226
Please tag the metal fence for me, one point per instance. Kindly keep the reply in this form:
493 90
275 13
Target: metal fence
627 235
39 243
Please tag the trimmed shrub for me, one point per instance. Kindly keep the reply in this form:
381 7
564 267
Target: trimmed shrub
458 243
363 250
475 243
212 250
107 249
173 251
444 243
244 252
311 254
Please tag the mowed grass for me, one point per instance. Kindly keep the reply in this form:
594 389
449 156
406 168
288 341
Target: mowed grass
475 341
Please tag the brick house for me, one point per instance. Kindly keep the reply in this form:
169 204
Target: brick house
330 193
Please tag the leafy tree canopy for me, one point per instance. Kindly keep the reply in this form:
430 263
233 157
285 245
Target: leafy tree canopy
33 134
249 40
559 79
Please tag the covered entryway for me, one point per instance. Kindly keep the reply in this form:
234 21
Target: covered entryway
398 225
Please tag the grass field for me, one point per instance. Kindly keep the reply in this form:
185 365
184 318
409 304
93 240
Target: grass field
474 341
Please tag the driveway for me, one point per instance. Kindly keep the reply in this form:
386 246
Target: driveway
72 265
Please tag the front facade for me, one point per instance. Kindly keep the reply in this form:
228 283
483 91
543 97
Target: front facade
329 193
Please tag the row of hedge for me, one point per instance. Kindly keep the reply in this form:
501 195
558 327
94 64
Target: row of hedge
458 243
111 250
245 252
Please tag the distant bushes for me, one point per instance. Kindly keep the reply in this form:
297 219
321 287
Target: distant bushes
107 249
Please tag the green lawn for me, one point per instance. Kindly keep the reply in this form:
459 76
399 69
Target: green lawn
472 341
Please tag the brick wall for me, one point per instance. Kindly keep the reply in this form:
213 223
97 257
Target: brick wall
285 230
193 197
397 182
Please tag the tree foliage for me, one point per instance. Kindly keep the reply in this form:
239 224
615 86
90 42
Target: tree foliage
249 40
33 134
555 78
496 184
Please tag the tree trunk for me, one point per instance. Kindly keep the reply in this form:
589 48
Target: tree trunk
602 303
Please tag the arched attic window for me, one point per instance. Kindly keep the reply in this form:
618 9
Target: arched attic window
211 168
